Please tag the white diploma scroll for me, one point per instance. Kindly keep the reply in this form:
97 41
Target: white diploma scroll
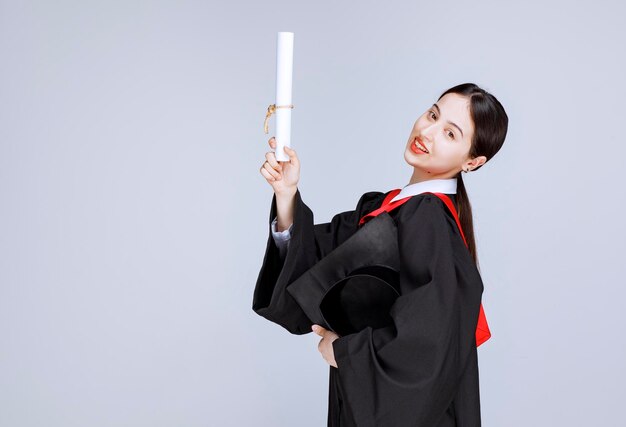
282 107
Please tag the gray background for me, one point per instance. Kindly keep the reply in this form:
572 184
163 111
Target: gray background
134 218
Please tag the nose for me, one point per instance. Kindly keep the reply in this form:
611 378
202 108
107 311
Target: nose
427 134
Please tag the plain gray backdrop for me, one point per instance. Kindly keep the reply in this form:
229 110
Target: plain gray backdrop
134 218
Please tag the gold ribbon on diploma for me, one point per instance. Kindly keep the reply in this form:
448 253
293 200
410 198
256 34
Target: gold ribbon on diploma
271 110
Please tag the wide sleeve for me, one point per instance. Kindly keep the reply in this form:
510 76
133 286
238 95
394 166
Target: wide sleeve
408 373
308 244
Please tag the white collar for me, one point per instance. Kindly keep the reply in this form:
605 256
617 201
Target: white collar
446 186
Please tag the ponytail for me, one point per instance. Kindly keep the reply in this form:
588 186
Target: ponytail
464 208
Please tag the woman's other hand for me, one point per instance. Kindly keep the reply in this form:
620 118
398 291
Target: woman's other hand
283 176
325 345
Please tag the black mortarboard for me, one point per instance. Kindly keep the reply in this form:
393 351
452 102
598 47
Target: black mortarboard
355 285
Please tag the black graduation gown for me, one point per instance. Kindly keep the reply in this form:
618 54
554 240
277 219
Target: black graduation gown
422 371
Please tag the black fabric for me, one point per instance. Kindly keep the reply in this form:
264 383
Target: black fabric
356 284
360 300
422 368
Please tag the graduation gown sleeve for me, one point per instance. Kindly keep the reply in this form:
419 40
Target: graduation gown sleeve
407 374
308 244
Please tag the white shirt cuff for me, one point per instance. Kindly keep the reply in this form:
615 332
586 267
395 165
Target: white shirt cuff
281 238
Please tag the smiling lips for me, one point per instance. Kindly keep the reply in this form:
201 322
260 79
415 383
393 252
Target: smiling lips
419 145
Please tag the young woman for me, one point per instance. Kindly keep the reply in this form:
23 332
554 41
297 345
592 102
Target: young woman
422 370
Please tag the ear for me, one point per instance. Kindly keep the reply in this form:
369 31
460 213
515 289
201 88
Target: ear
477 161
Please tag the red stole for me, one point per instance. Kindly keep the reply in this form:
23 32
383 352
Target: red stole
482 328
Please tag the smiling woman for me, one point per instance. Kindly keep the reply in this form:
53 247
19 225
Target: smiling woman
443 139
420 368
464 129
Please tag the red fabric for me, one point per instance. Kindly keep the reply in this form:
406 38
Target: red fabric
482 328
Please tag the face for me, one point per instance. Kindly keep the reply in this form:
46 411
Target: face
446 130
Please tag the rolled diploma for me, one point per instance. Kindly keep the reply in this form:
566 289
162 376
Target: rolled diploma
284 74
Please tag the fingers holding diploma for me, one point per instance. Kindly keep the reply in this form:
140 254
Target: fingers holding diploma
283 176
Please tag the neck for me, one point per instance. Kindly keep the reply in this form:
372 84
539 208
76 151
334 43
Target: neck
419 176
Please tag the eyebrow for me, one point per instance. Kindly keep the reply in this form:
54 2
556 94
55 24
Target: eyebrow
453 124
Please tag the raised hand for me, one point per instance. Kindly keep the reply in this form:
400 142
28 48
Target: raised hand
283 176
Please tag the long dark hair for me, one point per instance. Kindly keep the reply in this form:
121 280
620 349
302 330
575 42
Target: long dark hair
490 126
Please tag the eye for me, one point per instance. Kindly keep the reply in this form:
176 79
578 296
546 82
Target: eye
432 114
450 134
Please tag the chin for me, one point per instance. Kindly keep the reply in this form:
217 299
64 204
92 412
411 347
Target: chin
410 161
409 157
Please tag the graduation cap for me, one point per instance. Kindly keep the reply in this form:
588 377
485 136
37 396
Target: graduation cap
355 285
